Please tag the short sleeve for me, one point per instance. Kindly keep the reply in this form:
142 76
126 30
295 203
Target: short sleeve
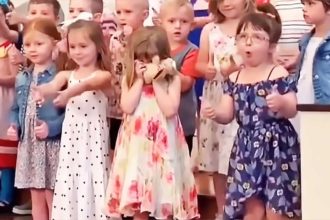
228 87
287 84
188 66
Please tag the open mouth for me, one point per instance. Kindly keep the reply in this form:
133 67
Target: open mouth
177 33
248 53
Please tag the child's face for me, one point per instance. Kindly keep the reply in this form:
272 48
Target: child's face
232 8
78 6
314 12
41 11
253 45
130 13
177 22
81 48
38 47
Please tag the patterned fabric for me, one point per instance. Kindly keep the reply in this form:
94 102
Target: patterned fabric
37 160
82 174
216 140
265 159
151 167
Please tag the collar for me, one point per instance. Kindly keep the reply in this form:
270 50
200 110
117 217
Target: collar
51 70
305 39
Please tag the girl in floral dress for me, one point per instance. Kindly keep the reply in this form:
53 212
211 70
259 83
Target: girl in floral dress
217 43
264 170
151 169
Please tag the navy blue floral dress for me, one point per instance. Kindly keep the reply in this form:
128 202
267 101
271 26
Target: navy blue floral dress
265 158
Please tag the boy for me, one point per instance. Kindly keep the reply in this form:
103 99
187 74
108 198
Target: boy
313 66
177 17
95 7
130 15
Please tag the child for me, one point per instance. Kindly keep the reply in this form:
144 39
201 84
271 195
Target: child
109 26
131 14
293 28
8 148
95 7
37 127
264 170
82 175
151 169
217 43
177 17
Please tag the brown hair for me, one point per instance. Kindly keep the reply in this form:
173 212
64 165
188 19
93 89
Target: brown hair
177 4
326 3
219 17
266 18
56 5
94 32
96 6
6 9
144 44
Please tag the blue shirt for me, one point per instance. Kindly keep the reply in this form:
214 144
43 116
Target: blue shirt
321 67
48 113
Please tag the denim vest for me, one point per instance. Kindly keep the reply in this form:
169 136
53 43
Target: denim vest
321 67
188 101
48 113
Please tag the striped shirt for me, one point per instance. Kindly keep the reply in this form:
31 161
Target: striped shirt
293 23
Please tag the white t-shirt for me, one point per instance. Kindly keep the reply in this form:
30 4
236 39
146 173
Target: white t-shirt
305 94
153 5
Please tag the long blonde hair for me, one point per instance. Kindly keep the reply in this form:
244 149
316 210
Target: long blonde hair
94 32
144 44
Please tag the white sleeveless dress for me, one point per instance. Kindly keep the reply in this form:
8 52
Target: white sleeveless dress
82 174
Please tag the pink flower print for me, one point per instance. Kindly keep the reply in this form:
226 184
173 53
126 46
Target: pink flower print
162 137
193 194
166 210
113 205
169 177
133 189
138 125
152 129
155 157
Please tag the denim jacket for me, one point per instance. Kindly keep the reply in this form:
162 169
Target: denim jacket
48 113
321 67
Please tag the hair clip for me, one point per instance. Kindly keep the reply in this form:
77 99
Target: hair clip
4 2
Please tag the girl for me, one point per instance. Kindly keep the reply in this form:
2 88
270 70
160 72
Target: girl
37 127
8 148
151 170
264 170
84 158
218 42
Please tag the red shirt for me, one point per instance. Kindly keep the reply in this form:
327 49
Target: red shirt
8 152
188 66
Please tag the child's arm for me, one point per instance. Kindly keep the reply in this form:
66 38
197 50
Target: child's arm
50 89
204 65
130 97
55 126
6 32
168 98
9 79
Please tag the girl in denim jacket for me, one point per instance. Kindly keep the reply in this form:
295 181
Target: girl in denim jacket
38 128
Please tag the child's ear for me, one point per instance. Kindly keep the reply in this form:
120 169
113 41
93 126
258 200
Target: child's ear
97 17
145 14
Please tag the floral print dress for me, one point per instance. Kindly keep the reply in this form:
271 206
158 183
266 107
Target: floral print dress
151 167
265 159
216 140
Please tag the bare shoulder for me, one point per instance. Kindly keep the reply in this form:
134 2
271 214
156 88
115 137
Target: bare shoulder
233 76
64 74
207 28
278 72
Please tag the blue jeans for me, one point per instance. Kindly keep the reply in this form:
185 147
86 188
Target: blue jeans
7 189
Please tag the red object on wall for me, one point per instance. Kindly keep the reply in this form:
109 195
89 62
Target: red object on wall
8 153
259 2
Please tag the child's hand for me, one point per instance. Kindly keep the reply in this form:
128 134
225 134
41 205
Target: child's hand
14 18
41 130
274 100
288 62
210 72
155 18
62 99
207 110
12 133
140 68
15 56
37 94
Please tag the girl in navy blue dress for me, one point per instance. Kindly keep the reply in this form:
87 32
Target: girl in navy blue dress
264 170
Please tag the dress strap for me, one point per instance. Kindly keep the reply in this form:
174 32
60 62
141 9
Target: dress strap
239 72
271 71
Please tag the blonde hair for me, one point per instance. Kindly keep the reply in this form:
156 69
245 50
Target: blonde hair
94 33
177 4
48 27
219 17
144 44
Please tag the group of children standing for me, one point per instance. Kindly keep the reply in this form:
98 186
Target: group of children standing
80 91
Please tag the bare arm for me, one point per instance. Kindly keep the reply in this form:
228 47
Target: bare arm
50 89
6 32
224 112
99 81
168 98
289 105
130 97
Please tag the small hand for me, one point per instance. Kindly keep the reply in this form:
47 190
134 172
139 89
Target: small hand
37 95
274 100
140 68
207 110
155 18
210 72
62 99
169 66
41 130
12 133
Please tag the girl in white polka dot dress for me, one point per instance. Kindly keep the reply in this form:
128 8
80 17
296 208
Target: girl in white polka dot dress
82 174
